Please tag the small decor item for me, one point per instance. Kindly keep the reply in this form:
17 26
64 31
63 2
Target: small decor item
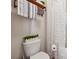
41 11
15 3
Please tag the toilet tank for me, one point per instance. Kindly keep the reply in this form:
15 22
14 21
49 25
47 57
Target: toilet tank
32 47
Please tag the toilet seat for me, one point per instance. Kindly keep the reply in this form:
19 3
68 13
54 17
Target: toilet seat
40 55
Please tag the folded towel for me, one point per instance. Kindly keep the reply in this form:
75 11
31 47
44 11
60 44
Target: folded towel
26 9
23 8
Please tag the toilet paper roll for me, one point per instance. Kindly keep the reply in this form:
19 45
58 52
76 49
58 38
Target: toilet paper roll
54 48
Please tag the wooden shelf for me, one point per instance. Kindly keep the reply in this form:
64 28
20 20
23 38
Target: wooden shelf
37 3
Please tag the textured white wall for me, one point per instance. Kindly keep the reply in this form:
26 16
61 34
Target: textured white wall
38 26
19 28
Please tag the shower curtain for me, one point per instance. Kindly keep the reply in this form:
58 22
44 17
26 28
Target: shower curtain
50 26
56 26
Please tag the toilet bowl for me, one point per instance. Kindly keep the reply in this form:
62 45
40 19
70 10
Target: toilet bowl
40 55
32 50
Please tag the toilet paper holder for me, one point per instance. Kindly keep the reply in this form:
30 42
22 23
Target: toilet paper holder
54 48
54 52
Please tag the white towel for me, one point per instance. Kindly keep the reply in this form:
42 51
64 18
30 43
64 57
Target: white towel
30 10
23 8
26 9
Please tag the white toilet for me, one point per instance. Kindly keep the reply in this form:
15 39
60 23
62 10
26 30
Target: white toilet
32 50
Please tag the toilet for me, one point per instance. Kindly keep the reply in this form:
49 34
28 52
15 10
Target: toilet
32 50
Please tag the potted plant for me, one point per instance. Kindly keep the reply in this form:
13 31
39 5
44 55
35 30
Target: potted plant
29 37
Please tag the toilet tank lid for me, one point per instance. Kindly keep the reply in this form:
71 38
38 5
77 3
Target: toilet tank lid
40 55
30 42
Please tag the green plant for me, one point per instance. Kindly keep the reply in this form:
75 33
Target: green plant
30 36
